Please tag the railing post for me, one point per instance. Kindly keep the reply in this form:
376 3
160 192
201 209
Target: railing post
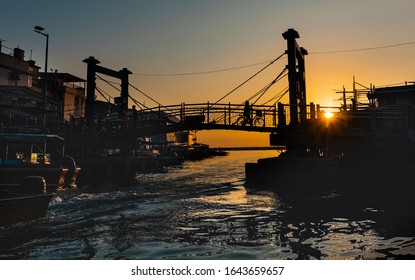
274 116
208 109
229 114
184 111
159 115
281 115
312 112
264 114
224 117
181 112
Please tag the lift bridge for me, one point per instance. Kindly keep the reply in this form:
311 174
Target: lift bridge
205 116
366 140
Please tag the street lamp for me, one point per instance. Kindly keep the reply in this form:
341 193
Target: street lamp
39 29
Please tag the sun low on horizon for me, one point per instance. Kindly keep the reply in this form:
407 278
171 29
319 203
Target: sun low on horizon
200 51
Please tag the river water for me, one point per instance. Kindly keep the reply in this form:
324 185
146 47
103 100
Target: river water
202 210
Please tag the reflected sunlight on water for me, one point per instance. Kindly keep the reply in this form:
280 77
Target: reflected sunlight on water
239 196
202 209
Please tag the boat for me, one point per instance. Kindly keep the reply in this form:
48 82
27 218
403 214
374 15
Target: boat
197 151
30 205
23 155
32 168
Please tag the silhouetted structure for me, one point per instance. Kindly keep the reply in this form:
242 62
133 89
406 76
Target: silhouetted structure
371 145
296 77
93 68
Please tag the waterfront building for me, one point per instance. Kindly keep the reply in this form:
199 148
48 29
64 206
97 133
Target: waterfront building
22 94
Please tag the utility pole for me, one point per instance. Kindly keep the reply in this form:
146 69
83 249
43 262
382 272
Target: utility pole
39 29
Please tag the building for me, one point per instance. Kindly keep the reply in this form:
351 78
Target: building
403 95
22 97
69 93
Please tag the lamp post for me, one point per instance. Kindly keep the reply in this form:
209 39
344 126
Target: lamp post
39 29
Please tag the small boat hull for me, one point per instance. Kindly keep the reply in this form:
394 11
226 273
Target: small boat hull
19 208
12 177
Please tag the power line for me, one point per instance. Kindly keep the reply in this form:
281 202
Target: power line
263 62
200 72
364 49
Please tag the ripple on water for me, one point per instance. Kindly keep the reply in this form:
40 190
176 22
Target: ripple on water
203 210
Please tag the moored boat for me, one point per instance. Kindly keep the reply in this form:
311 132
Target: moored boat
32 168
23 155
31 204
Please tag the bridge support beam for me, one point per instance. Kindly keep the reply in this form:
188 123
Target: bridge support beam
93 68
90 89
296 77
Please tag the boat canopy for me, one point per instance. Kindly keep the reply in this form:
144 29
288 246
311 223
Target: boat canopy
29 138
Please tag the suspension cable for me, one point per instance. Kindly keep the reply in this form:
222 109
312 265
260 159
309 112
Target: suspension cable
281 96
146 95
138 103
279 77
261 92
109 83
278 95
250 78
103 96
104 92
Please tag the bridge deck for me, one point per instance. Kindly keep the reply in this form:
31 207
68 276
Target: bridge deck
207 116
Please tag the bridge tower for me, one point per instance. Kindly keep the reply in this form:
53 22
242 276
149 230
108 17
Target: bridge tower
296 77
93 68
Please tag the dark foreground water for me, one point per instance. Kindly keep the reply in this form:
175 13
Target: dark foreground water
202 210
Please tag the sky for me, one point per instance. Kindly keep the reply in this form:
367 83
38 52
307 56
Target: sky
189 36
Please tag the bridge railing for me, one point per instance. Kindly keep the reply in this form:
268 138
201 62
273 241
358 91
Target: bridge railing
208 113
229 114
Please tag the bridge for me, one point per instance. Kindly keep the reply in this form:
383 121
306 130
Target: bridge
298 128
125 124
208 116
184 116
354 135
261 118
205 116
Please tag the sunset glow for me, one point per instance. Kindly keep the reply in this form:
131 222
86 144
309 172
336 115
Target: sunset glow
199 51
328 115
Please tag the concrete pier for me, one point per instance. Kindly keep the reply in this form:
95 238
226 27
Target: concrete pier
292 174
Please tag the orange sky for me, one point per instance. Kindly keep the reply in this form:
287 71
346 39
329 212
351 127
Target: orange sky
180 36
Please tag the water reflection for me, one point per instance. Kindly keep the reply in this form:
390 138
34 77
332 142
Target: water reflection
203 210
238 196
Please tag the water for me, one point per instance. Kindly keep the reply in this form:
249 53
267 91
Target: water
202 210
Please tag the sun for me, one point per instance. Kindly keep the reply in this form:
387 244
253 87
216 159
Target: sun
328 115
